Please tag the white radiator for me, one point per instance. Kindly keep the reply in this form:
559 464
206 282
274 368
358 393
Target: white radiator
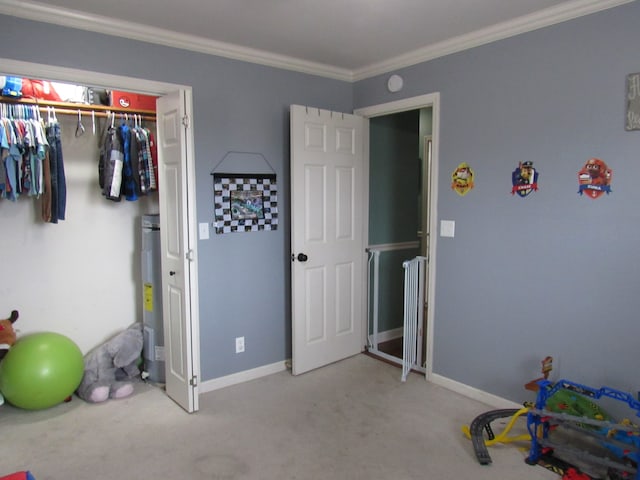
413 311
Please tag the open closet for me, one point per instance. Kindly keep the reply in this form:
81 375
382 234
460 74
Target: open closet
78 271
85 281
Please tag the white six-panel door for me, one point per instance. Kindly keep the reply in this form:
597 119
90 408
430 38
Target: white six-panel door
327 270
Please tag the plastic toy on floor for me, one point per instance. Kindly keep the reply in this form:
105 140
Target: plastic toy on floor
19 476
621 438
573 474
481 425
569 408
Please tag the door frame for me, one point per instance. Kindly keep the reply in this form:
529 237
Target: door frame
431 100
150 87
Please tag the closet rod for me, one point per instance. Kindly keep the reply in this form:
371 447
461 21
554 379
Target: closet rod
99 114
72 108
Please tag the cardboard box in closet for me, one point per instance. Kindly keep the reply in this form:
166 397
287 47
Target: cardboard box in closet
133 101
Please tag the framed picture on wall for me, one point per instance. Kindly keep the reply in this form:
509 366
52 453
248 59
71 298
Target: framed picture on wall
245 202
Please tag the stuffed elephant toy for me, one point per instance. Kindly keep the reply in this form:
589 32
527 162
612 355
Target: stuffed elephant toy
109 369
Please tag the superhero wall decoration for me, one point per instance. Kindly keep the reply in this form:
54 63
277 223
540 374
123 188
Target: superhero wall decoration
524 179
462 179
595 178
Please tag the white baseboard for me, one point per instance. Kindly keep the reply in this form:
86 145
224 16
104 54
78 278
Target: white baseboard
474 393
449 384
389 334
240 377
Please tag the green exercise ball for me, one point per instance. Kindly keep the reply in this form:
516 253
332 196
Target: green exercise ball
41 370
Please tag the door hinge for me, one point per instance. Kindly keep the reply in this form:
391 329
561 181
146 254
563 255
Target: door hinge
185 121
194 381
189 255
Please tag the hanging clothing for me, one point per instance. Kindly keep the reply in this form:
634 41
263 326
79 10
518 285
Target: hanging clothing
58 180
152 152
13 162
139 160
46 195
4 148
32 160
110 166
127 164
23 147
129 183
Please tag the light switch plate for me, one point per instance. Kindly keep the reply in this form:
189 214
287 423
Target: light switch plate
447 228
204 231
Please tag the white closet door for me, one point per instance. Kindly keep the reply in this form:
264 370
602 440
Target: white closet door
177 264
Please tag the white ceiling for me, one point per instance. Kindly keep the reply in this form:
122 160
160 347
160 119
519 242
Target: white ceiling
347 39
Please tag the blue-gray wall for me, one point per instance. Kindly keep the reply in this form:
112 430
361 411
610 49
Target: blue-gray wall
394 177
237 107
394 185
554 273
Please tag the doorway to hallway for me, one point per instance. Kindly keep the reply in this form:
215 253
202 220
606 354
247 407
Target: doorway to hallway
402 193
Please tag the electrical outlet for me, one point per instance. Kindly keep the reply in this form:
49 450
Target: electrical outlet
239 344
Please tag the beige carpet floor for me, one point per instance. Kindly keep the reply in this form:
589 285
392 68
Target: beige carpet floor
353 419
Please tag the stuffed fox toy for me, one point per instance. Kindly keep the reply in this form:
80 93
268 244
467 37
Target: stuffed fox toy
7 333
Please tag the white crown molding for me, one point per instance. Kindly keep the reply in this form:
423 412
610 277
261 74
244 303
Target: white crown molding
95 23
527 23
98 79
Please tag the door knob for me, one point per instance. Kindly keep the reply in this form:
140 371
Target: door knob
302 257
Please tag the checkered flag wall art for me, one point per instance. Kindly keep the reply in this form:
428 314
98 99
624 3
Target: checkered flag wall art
245 203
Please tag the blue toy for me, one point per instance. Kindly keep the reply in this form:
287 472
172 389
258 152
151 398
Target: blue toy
622 439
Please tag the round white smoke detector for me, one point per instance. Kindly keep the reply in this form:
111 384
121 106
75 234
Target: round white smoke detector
395 83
